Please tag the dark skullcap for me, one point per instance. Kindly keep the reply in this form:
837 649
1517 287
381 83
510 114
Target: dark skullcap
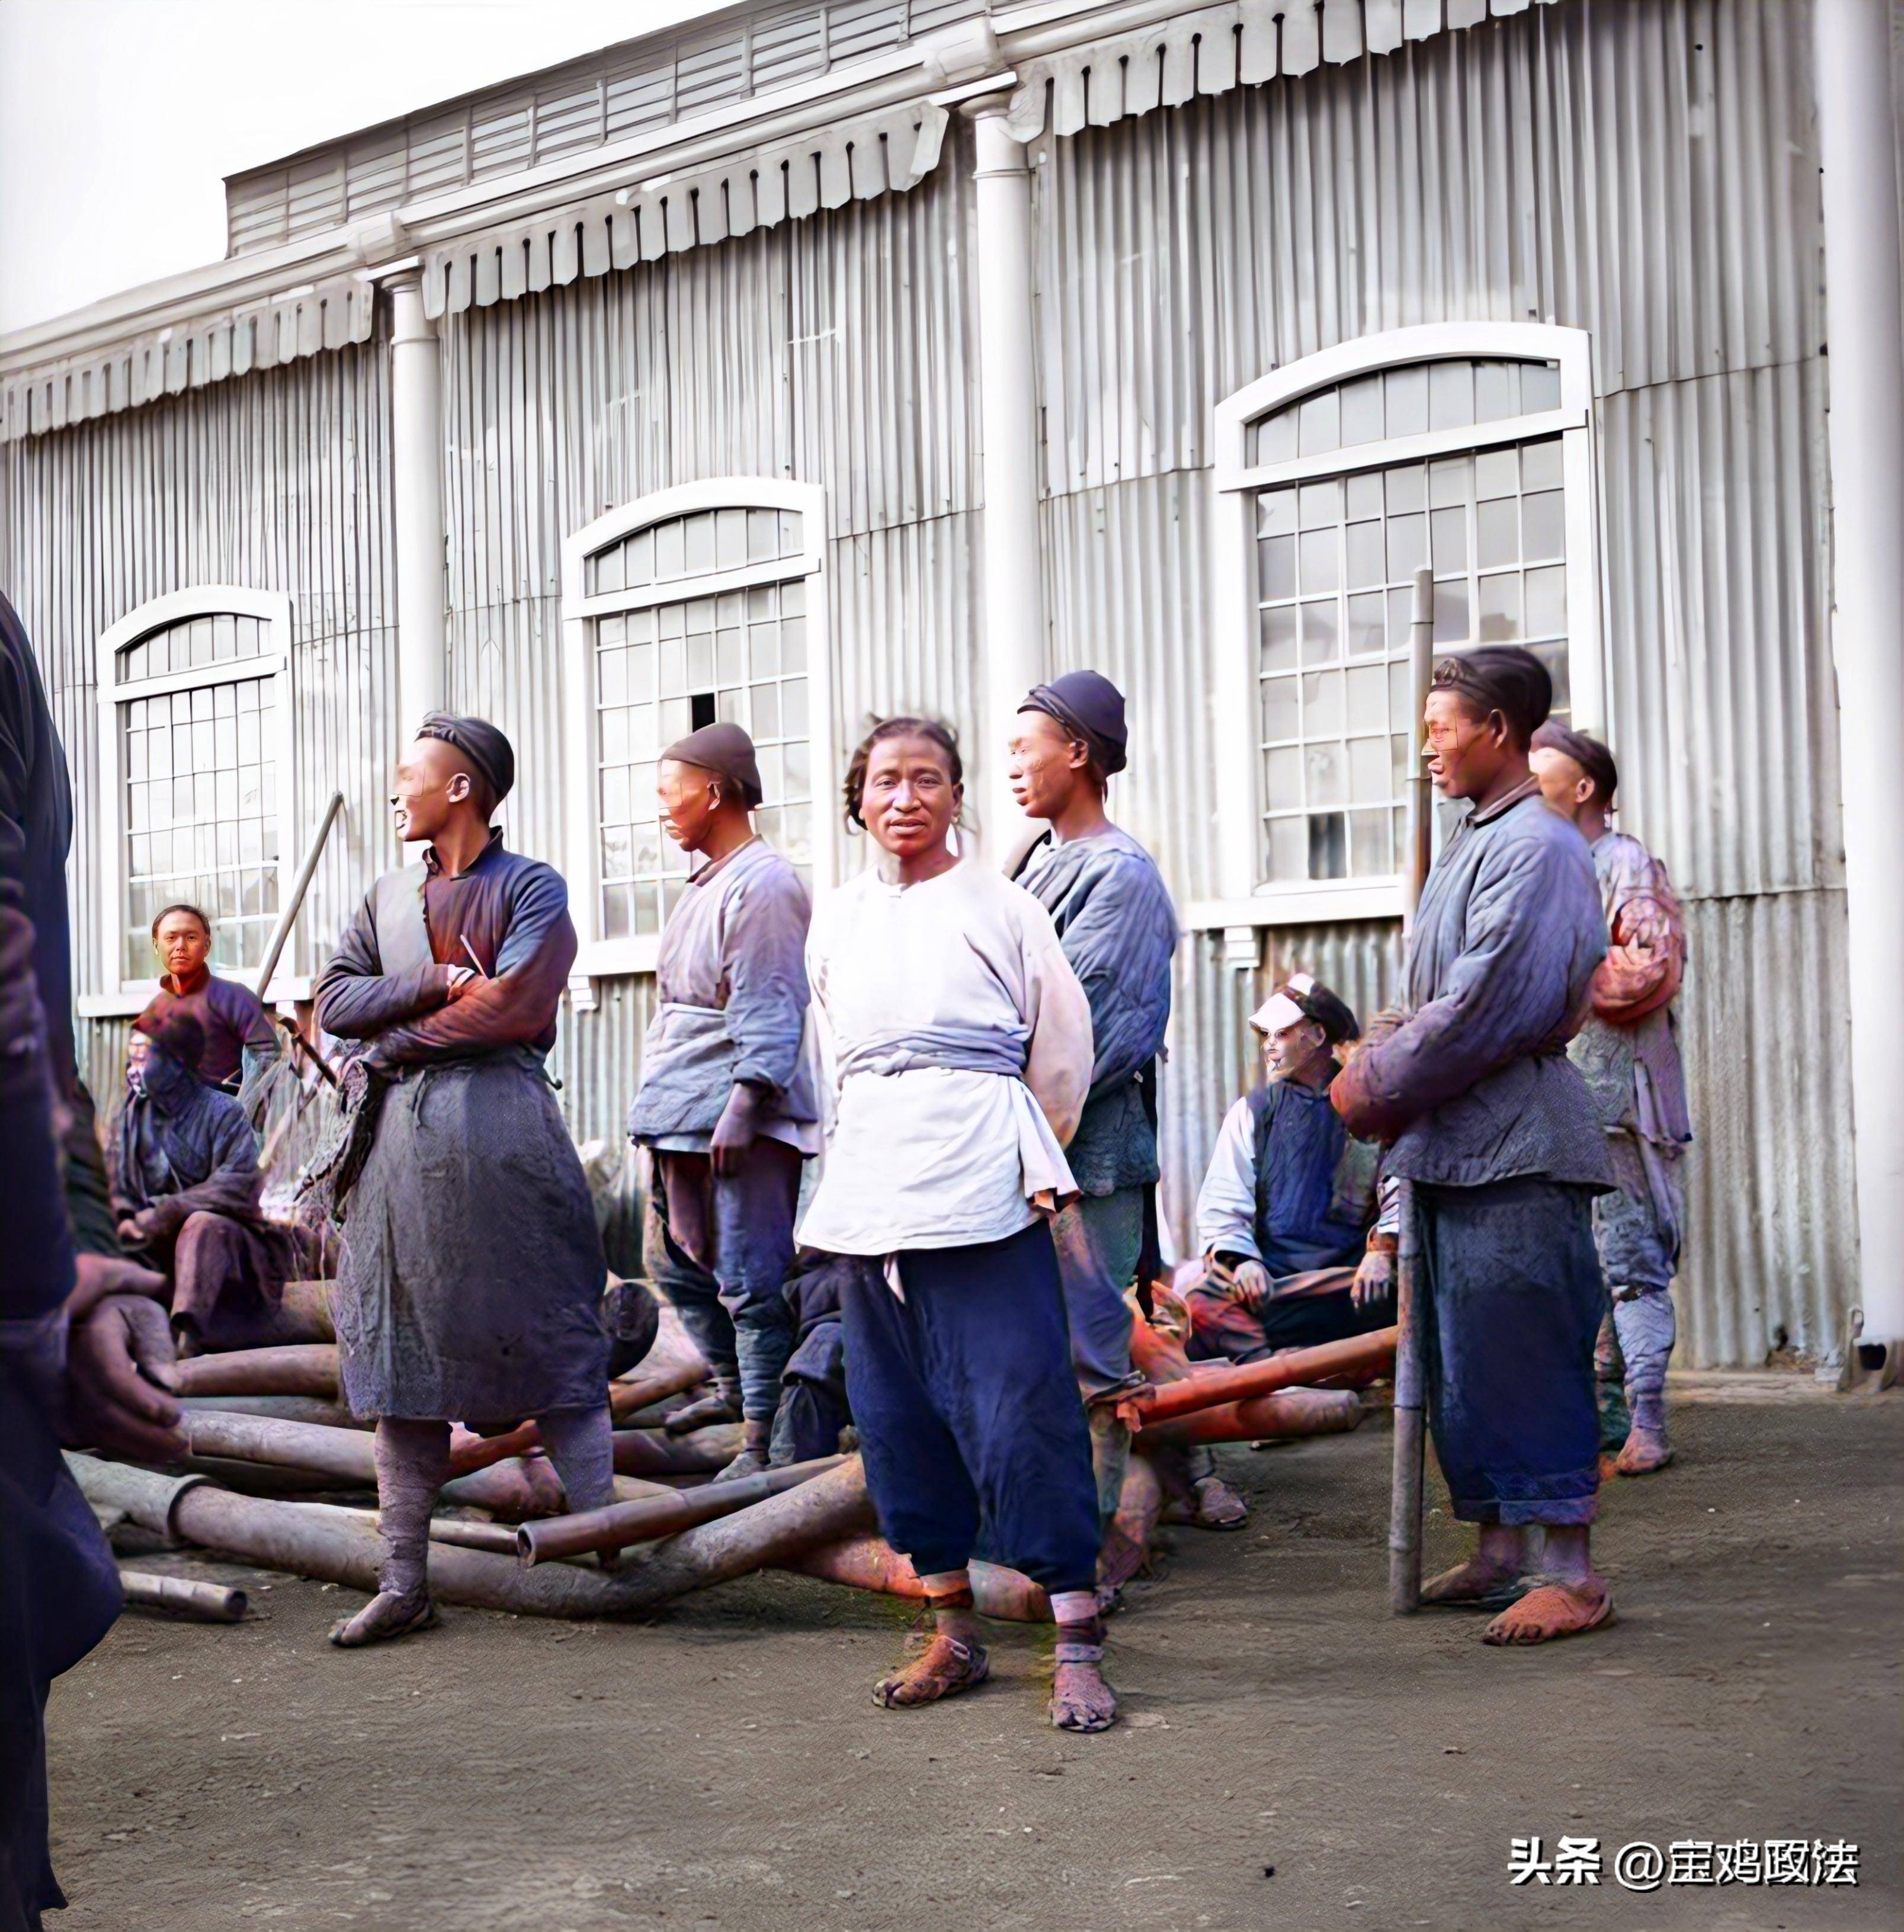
1503 678
1090 707
725 750
173 1031
492 758
1589 753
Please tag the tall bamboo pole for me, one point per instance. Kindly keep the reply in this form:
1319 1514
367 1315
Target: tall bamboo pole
1405 1485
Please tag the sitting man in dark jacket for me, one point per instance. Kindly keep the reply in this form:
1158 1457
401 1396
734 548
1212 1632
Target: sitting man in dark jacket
1294 1253
185 1187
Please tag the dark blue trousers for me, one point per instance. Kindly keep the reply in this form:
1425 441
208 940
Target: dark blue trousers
1515 1299
968 1410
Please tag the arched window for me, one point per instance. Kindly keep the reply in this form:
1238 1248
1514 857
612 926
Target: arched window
701 603
1463 447
194 765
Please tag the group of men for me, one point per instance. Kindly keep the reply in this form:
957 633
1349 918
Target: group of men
1529 1093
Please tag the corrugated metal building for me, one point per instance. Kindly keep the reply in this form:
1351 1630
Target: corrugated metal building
783 248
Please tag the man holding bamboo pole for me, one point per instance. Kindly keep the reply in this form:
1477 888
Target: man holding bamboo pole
1491 1125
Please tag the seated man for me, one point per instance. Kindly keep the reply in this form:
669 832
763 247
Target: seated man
242 1046
812 1407
1285 1215
185 1186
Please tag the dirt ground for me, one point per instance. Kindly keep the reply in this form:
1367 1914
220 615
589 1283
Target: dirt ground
1290 1755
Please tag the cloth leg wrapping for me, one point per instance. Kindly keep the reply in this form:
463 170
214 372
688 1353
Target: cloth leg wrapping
412 1461
966 1404
1515 1297
581 1444
1647 1330
1098 1237
691 1290
1609 1381
754 1213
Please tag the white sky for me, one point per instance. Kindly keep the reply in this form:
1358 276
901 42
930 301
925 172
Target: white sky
120 118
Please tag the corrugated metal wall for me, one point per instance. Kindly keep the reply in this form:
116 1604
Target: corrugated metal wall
1647 173
274 481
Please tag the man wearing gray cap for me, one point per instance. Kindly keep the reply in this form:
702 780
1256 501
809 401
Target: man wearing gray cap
1114 918
727 1105
473 1270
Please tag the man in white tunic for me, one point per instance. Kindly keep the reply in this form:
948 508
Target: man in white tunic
958 1043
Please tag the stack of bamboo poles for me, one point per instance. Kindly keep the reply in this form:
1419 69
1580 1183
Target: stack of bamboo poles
268 1437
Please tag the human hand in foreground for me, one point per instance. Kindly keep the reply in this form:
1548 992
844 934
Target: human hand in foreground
1374 1279
1250 1284
461 978
118 1377
95 1276
735 1132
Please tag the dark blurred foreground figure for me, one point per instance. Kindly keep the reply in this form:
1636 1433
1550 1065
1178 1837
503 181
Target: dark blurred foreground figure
473 1270
1629 1051
1115 920
1493 1124
726 1107
185 1188
83 1350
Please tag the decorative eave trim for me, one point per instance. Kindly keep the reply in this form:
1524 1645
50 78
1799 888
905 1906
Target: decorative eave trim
879 154
1213 49
261 335
1071 64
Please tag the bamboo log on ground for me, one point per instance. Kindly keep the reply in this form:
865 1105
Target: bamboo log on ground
203 1602
871 1563
304 1368
265 1479
314 1542
283 1407
622 1524
1282 1416
1366 1355
672 1366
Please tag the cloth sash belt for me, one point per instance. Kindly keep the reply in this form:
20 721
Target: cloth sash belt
1048 1181
688 1064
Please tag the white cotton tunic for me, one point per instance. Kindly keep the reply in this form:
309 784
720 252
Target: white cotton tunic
923 997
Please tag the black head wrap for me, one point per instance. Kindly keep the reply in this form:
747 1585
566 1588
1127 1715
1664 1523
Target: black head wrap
1589 753
173 1031
725 750
491 758
1091 707
1503 678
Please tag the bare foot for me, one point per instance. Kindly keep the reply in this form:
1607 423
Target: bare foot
1646 1450
387 1615
1081 1699
1553 1608
1479 1584
944 1668
698 1414
1218 1507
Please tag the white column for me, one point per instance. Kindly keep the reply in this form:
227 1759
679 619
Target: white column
1852 47
1014 648
416 410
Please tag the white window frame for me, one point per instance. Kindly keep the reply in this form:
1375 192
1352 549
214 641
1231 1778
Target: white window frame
1246 902
599 958
121 994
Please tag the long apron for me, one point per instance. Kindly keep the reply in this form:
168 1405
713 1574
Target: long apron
473 1270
